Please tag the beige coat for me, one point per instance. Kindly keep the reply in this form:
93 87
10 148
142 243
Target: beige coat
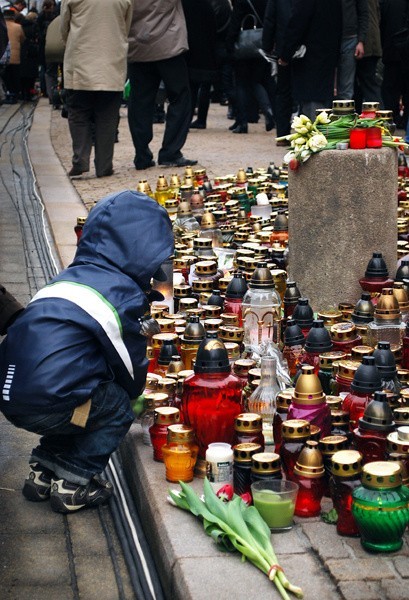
96 37
158 30
16 38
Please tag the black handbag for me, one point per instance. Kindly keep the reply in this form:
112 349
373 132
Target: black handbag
249 41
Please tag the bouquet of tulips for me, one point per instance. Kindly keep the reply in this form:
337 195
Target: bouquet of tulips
235 525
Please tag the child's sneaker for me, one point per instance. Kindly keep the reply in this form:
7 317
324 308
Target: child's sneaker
68 497
37 485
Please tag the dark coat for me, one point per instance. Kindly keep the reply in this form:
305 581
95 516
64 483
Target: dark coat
201 34
276 18
317 24
393 13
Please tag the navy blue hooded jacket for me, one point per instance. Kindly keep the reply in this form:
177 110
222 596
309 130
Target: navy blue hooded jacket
84 327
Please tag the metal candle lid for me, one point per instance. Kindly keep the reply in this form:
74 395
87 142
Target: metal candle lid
343 107
346 463
229 333
202 285
156 400
248 422
358 352
334 402
310 463
265 463
242 366
261 277
159 338
364 309
328 358
284 399
296 429
332 443
347 369
179 433
166 386
182 291
242 453
212 356
343 332
388 306
401 416
194 330
382 475
339 418
396 444
206 268
166 415
330 317
308 389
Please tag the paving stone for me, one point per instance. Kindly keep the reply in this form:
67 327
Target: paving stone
308 572
395 590
42 592
87 536
358 551
325 541
371 569
292 541
18 515
359 590
37 559
402 566
95 577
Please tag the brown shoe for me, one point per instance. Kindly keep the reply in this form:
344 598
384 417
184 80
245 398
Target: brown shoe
283 143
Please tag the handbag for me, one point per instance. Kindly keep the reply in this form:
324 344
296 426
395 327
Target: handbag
54 44
249 41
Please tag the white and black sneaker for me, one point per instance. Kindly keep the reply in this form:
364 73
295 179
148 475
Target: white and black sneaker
66 497
37 485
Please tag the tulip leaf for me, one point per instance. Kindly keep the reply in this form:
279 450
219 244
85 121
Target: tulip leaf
216 505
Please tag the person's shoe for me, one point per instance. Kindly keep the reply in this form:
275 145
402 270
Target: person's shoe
197 125
66 497
77 172
141 166
178 162
283 143
269 119
235 124
107 173
37 485
240 129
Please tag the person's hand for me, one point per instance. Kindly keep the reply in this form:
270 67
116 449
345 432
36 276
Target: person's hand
282 62
359 50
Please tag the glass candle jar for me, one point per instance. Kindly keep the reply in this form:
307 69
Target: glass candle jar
180 453
374 137
308 401
380 507
328 446
357 138
326 370
295 433
163 417
263 400
309 474
283 401
153 401
242 454
346 470
248 428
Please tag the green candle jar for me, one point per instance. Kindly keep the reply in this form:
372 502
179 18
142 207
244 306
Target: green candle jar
380 507
275 501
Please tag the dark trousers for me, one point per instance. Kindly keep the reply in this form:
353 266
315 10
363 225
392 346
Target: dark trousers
394 85
252 78
366 77
93 117
75 453
283 101
200 97
12 79
145 78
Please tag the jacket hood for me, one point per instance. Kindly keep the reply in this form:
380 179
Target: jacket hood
127 231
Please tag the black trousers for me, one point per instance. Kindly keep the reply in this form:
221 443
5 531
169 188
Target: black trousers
93 117
145 78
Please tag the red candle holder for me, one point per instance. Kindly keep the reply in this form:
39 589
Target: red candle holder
357 138
374 137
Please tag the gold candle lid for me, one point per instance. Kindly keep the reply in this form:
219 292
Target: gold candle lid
388 306
212 324
162 184
159 338
382 474
254 374
346 309
346 463
332 443
308 389
166 325
230 319
175 366
156 400
224 282
403 376
358 352
401 415
202 285
242 366
310 463
248 422
185 373
166 386
212 310
328 358
330 316
266 463
396 444
343 332
296 429
339 417
186 303
242 453
180 433
166 415
81 220
152 381
156 312
233 350
284 399
182 291
334 402
315 433
205 268
231 334
347 369
405 395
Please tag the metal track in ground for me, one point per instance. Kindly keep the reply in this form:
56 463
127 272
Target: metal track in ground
18 189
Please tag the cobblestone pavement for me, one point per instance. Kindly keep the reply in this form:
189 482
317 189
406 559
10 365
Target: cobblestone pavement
37 551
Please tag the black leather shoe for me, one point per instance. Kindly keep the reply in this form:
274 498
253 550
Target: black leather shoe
235 124
144 165
269 121
77 172
240 129
197 125
178 162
